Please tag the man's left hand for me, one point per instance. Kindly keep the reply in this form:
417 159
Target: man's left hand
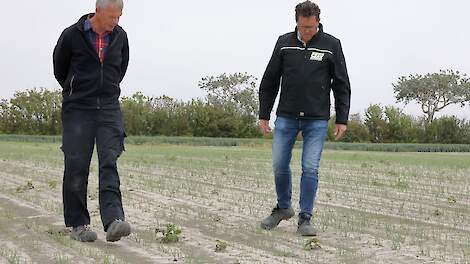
339 131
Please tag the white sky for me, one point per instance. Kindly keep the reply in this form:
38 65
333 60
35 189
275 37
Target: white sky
175 43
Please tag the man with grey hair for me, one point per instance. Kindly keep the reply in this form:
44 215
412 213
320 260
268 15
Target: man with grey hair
90 61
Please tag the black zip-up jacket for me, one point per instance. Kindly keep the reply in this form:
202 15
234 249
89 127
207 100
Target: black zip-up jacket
308 73
87 83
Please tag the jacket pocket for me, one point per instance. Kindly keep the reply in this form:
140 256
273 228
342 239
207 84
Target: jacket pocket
115 85
71 85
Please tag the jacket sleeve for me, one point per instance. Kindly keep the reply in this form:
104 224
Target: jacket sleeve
269 86
61 58
125 57
341 86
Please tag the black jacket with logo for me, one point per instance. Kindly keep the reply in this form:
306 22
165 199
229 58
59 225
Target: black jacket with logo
87 83
307 74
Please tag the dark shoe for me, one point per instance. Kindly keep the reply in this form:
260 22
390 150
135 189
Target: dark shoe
117 229
277 215
83 234
304 227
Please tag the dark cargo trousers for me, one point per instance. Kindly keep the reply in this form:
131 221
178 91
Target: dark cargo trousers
81 129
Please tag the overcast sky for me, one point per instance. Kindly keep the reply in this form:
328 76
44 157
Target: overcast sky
175 43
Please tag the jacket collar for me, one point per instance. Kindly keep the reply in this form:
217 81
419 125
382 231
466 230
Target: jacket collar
81 24
320 31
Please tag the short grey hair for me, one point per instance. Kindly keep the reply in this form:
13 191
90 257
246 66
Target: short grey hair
105 3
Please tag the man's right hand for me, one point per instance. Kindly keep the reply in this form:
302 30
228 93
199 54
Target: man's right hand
264 126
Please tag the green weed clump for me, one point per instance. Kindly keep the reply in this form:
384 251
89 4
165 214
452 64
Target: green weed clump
220 245
170 234
312 244
23 188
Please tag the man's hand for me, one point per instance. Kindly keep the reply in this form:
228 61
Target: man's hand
339 131
264 126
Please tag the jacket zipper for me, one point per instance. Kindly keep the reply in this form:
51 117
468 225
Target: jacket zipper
301 113
101 87
101 80
71 85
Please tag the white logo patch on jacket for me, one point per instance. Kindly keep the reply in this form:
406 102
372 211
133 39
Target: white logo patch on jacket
317 56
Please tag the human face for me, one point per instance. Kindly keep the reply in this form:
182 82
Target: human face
108 17
308 27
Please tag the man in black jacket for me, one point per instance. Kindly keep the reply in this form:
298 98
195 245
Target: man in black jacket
307 64
90 61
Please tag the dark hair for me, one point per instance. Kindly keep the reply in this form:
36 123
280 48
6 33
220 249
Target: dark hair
307 9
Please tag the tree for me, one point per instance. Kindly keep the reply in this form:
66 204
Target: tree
357 131
433 91
34 111
4 116
446 130
236 97
232 92
136 110
376 123
400 127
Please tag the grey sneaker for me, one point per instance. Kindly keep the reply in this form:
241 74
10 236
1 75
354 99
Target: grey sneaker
83 234
277 215
117 229
304 227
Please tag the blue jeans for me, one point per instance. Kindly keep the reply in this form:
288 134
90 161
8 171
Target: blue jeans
285 133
